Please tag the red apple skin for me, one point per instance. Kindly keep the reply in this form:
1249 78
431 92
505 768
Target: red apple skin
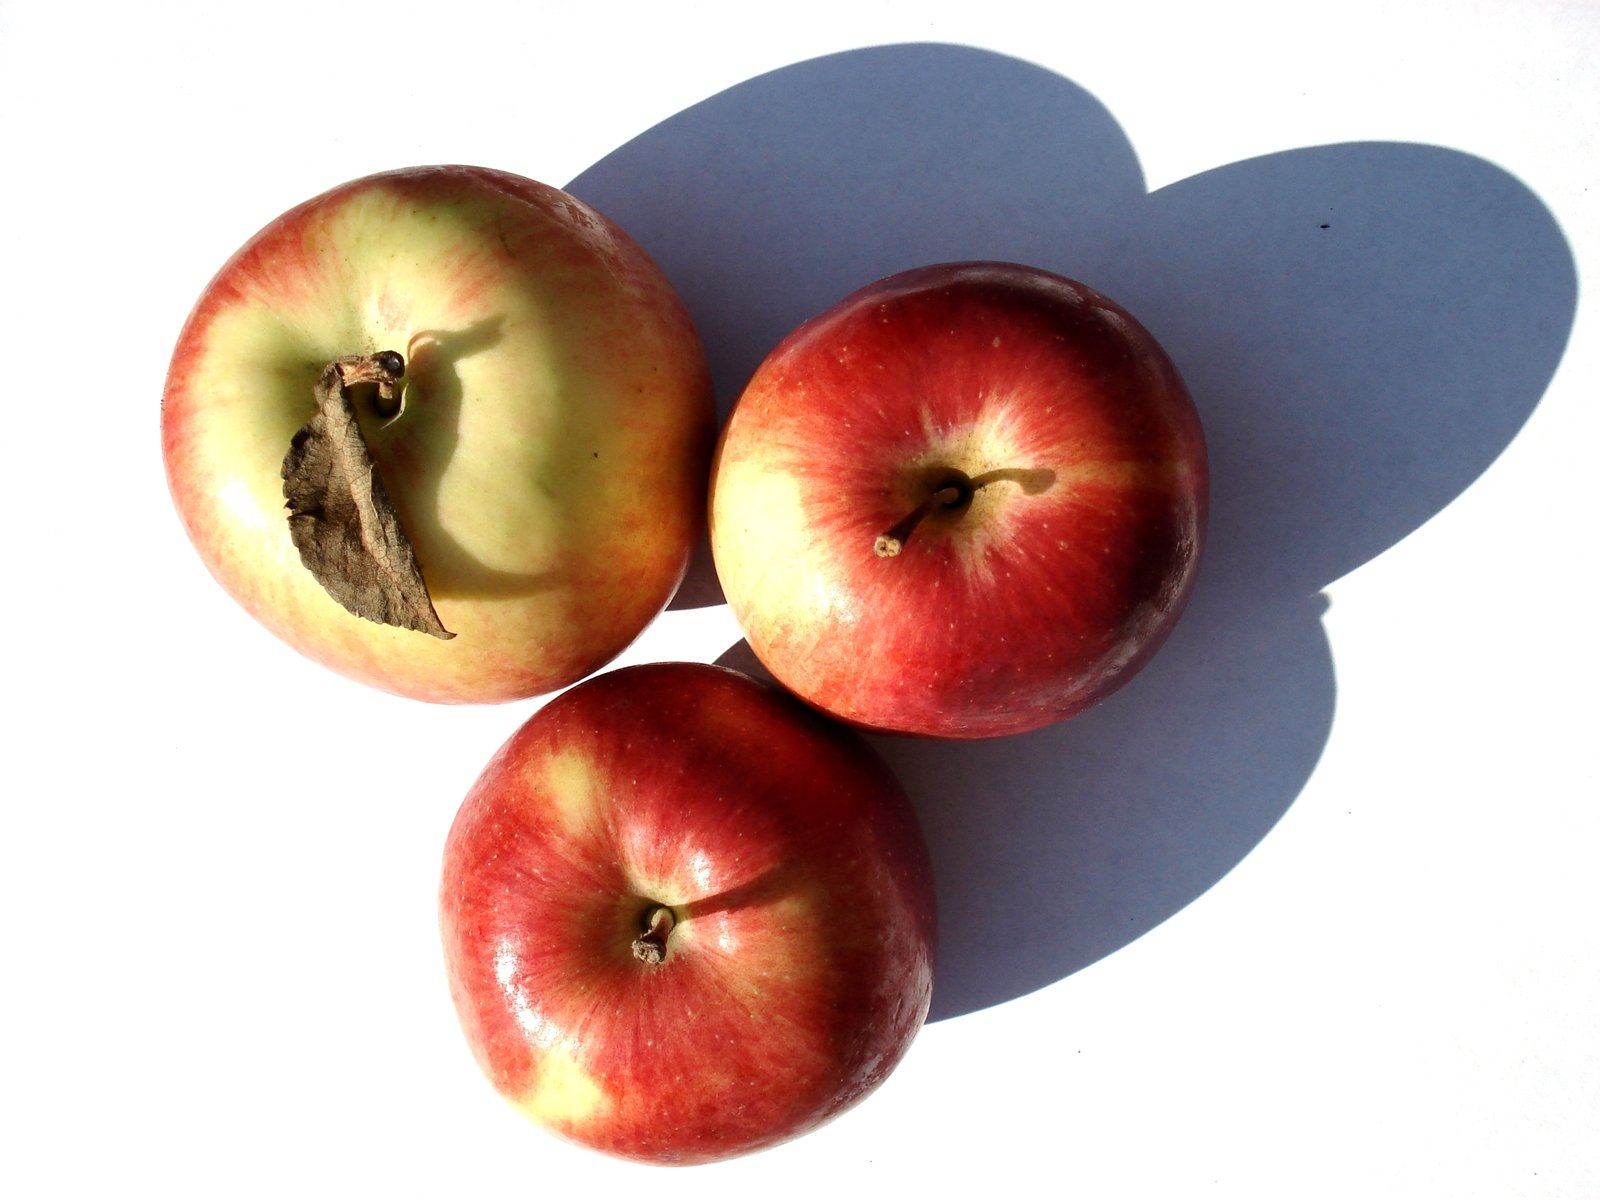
800 967
550 461
1037 599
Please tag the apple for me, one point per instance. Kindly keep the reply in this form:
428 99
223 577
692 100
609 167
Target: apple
686 917
516 426
967 501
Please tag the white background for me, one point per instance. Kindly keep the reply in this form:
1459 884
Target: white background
1308 910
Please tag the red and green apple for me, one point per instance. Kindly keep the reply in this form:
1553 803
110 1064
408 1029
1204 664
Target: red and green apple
686 917
966 501
534 404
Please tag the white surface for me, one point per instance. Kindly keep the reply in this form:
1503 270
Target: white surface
1307 911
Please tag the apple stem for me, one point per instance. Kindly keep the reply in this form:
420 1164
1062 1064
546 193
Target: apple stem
385 368
951 495
651 945
955 491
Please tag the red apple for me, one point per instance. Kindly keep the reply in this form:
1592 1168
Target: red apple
533 398
685 917
966 501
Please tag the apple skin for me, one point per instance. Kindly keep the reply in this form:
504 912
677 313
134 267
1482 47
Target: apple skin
800 966
550 459
1035 596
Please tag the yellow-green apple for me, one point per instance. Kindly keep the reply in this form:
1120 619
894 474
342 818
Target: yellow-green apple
515 405
966 501
685 917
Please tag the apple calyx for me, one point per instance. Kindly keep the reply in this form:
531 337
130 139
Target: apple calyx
341 519
953 493
651 945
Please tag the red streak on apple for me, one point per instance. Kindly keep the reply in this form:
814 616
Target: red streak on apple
798 963
1080 474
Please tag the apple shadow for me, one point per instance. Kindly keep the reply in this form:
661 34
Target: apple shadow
1364 327
431 401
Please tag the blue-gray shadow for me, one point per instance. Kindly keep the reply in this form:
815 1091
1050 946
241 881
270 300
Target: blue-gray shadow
1364 327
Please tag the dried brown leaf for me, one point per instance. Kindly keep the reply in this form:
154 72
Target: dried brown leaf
340 517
